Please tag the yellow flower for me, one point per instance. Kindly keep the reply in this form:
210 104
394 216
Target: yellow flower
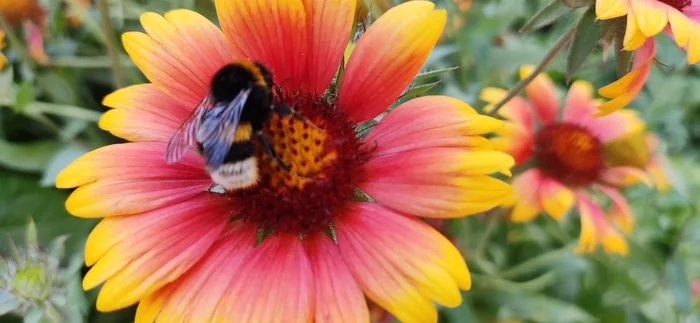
647 18
3 59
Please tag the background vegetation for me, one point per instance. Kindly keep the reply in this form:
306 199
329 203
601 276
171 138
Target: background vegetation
521 272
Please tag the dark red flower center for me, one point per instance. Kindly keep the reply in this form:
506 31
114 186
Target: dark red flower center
678 4
325 169
569 153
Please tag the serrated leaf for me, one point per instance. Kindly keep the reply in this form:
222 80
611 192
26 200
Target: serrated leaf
550 13
28 157
416 90
24 96
433 73
583 42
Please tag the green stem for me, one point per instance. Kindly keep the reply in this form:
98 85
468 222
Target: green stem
538 262
15 42
38 109
534 285
88 62
539 68
64 110
111 43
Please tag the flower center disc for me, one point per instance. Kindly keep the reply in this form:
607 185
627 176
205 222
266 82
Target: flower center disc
569 153
324 170
678 4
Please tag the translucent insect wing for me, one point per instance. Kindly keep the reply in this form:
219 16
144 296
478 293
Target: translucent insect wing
219 127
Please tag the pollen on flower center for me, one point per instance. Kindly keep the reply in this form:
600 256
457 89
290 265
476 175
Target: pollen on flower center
325 167
569 153
678 4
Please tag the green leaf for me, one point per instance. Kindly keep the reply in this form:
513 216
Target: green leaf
678 284
24 95
623 58
578 3
6 84
28 157
31 234
584 40
538 308
434 73
417 90
550 13
59 161
21 196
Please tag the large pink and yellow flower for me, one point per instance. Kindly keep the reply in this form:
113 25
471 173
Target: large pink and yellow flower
680 19
567 160
301 246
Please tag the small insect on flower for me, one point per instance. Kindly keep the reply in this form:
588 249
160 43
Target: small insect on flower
227 121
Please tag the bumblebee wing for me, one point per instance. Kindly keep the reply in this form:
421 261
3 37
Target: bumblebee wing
219 128
185 136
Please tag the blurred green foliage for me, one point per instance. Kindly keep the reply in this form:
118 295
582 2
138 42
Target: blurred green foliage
523 272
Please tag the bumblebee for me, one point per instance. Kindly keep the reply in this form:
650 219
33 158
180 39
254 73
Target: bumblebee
225 124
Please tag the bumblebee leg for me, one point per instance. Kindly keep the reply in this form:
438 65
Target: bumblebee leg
284 110
265 143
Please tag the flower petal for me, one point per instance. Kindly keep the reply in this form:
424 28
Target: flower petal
620 211
329 23
579 107
625 176
596 229
401 275
143 113
196 295
272 32
130 178
515 110
608 9
429 122
651 16
556 198
542 94
624 90
339 298
275 284
388 57
138 254
525 197
180 53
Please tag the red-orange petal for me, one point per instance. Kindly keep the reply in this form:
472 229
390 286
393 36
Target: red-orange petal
329 23
272 32
180 53
196 295
542 94
388 57
130 178
138 254
402 275
274 285
339 298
